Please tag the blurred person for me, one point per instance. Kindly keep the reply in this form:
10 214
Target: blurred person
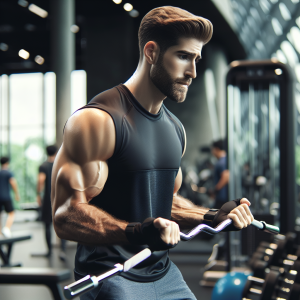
116 177
7 181
44 199
221 173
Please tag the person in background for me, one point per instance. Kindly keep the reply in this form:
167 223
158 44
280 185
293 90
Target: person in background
7 181
44 199
221 173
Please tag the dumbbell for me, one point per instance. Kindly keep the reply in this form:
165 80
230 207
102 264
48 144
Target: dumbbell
275 252
289 268
274 285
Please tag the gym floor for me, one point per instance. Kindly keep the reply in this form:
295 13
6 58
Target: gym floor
190 259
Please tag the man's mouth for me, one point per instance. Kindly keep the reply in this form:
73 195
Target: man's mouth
185 84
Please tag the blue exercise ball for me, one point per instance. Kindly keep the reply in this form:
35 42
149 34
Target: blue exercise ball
230 287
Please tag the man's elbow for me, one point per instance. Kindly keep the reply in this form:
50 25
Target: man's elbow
60 224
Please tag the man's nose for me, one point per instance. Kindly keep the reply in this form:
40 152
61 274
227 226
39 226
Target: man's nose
191 71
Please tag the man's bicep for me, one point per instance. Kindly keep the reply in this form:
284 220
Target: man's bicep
12 181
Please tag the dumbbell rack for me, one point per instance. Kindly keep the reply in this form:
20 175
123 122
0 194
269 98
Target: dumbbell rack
276 271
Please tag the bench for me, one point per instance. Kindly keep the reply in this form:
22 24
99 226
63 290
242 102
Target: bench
50 277
5 255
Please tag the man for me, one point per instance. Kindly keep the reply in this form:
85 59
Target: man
221 173
7 181
44 187
120 163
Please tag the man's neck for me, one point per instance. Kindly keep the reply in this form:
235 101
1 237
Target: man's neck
221 154
51 159
143 89
4 167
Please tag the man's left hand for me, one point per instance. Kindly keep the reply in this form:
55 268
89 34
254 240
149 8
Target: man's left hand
238 211
241 215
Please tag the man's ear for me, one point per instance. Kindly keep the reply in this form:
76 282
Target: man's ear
151 52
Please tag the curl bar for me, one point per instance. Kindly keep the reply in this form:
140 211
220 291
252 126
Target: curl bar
89 282
205 228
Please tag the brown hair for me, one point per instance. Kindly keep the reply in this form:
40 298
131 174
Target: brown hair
165 25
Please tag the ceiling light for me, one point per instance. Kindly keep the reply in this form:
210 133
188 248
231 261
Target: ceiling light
39 59
298 21
281 57
38 11
23 3
3 47
134 13
295 1
74 28
297 71
278 71
24 54
128 7
276 26
284 11
295 37
289 53
117 1
265 6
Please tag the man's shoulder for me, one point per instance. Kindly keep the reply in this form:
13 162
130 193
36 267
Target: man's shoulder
106 96
6 173
171 116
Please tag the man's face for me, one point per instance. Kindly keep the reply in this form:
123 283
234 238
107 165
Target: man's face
175 69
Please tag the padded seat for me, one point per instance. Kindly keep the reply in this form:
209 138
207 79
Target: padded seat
46 276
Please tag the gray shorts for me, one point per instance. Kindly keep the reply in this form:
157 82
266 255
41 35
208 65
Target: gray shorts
171 287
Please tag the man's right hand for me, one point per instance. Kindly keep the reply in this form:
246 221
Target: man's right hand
159 234
169 230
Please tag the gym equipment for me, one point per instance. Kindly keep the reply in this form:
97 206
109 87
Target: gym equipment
42 276
275 253
89 282
289 266
274 285
230 287
9 242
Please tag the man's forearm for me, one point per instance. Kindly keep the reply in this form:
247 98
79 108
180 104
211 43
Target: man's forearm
185 213
89 225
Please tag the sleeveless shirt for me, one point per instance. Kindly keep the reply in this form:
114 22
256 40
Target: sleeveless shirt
140 181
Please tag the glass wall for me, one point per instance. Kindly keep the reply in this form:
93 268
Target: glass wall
27 124
279 39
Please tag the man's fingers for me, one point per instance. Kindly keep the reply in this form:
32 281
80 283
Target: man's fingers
246 216
169 231
236 220
245 201
161 223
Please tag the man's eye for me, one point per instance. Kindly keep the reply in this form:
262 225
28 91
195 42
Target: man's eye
183 56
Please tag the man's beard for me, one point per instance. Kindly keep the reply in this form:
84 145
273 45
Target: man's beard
164 82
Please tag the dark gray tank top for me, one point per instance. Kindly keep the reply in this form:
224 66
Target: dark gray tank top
140 182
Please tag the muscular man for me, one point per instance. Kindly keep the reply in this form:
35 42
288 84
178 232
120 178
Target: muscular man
221 173
44 187
120 163
7 181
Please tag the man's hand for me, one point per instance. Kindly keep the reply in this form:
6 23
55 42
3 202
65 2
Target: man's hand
238 211
241 215
39 200
169 230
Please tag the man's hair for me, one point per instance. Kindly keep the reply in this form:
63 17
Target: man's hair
220 144
167 24
51 150
4 160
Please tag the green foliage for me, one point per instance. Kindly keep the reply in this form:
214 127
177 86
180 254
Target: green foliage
25 170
